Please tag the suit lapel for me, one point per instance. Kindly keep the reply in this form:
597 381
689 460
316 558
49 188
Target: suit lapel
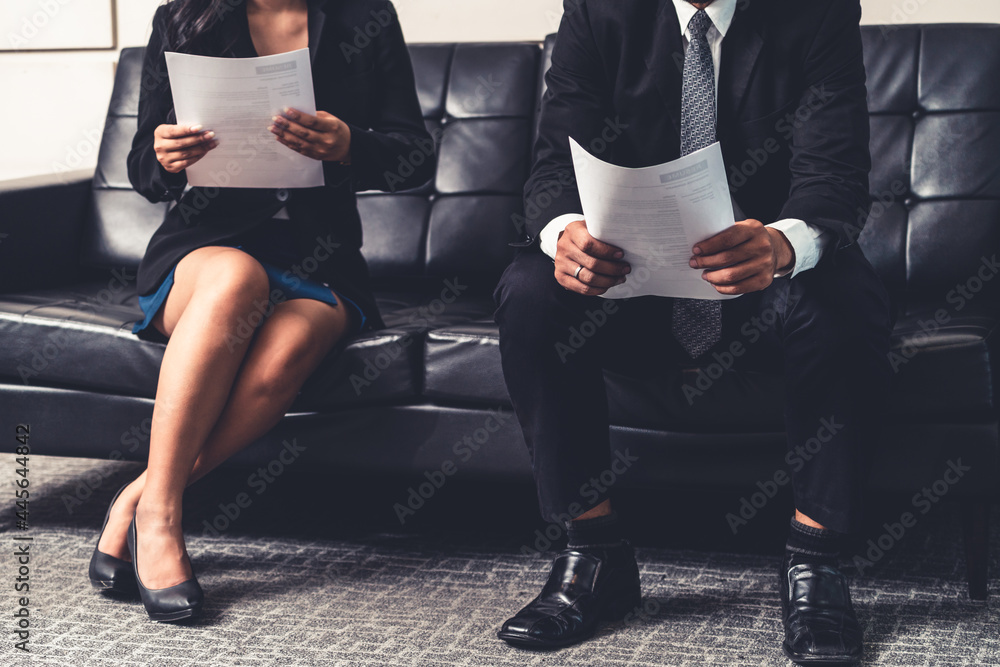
740 50
665 60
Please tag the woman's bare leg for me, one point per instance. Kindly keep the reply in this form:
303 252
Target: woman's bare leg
284 352
287 349
215 288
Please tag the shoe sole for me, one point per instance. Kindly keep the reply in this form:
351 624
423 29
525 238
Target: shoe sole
610 615
174 616
814 660
534 644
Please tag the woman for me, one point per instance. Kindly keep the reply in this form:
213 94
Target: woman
225 258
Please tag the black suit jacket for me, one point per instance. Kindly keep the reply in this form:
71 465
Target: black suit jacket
792 106
368 83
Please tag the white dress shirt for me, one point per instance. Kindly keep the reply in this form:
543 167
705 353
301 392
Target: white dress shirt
807 241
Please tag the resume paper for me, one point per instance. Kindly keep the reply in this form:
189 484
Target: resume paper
236 98
656 215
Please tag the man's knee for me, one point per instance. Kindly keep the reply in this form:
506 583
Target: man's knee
527 289
845 305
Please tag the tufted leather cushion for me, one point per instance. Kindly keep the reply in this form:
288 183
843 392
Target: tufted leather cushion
935 134
946 368
933 235
80 338
479 102
935 126
119 221
935 225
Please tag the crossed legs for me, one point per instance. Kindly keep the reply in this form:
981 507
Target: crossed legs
217 392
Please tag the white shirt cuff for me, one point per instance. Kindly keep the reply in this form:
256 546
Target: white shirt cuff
807 241
549 236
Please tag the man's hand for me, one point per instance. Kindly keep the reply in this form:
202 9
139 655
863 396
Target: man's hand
321 137
602 265
743 258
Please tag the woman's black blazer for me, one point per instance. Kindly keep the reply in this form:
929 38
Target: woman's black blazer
362 74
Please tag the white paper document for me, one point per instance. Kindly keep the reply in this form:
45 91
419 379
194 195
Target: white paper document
236 98
656 215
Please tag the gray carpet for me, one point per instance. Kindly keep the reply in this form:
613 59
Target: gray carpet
280 593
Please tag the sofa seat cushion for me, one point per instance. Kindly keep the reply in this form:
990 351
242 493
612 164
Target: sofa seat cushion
80 337
386 366
946 360
462 363
947 372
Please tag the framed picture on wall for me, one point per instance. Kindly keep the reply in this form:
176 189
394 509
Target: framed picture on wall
47 25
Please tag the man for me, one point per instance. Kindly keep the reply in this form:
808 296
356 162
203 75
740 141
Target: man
781 84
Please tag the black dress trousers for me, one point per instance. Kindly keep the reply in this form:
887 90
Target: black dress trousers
830 341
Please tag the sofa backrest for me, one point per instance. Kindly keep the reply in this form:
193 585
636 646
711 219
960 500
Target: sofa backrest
120 221
478 102
935 124
935 140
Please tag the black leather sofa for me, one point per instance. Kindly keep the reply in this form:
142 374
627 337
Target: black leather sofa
428 389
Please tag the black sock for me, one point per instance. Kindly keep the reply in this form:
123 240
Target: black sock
813 545
601 532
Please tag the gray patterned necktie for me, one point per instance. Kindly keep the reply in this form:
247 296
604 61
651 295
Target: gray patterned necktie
697 323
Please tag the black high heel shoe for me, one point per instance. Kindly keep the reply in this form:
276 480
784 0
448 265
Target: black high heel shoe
175 603
107 573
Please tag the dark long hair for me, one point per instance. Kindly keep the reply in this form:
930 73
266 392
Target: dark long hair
192 24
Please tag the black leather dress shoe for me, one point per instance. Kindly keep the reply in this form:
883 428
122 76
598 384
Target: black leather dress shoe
166 605
820 625
107 573
584 588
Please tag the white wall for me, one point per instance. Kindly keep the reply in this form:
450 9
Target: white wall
57 58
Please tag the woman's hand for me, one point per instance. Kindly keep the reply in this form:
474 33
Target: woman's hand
178 147
321 137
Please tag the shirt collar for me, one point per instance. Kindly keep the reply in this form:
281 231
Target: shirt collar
721 12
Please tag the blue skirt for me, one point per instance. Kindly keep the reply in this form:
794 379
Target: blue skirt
270 245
